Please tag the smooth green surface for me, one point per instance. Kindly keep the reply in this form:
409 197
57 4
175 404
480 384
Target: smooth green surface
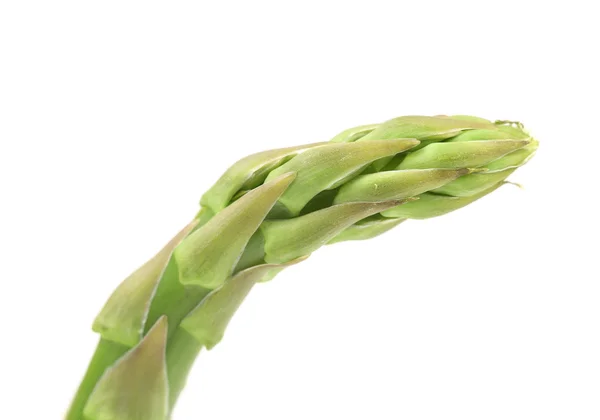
423 128
485 134
254 254
173 299
182 351
353 134
106 354
286 240
208 321
433 205
136 386
396 185
470 154
514 159
367 229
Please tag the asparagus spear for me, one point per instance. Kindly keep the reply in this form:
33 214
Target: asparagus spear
269 211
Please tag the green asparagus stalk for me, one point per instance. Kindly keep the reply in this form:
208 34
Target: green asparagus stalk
269 211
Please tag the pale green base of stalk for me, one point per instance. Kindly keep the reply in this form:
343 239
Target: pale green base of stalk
182 351
106 354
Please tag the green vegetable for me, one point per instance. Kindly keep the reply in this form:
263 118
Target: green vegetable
269 211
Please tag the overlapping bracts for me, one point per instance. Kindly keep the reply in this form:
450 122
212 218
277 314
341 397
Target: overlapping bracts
269 211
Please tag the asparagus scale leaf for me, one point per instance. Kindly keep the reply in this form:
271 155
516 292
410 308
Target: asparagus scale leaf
269 211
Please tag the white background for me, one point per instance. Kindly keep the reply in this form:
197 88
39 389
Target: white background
116 116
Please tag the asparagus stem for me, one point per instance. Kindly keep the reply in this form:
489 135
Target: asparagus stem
182 351
269 211
106 354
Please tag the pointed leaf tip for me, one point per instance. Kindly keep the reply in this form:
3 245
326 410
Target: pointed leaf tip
208 256
136 386
474 183
123 316
514 159
433 205
352 134
460 154
248 173
425 128
395 185
367 229
324 167
288 239
208 321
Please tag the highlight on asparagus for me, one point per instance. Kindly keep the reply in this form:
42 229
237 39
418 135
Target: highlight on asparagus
267 212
